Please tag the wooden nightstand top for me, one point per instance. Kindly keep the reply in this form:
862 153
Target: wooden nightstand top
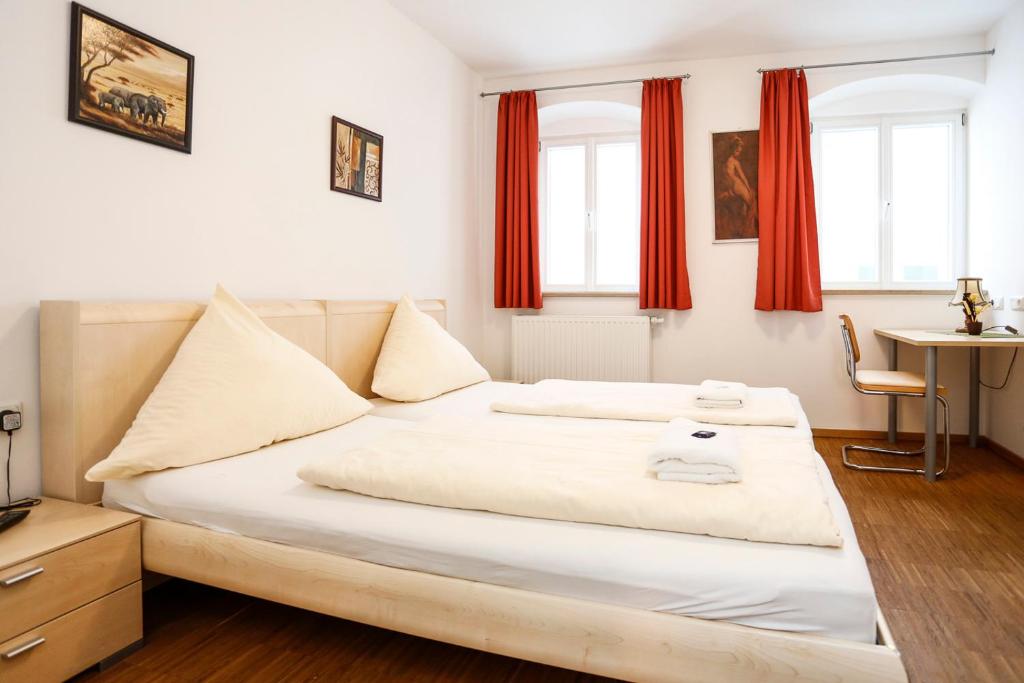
54 524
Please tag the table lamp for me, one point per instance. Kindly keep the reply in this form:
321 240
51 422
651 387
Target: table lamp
969 288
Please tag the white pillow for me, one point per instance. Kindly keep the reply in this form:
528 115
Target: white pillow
234 386
420 360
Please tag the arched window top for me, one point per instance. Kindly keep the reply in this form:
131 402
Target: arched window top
588 118
895 94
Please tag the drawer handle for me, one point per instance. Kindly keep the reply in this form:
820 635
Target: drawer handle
18 578
24 647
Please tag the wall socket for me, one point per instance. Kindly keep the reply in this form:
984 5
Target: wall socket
1016 303
997 303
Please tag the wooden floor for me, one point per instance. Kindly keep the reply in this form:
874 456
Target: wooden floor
947 561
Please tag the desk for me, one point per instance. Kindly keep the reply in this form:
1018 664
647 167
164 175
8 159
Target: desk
931 340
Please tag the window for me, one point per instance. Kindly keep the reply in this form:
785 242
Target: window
590 213
890 200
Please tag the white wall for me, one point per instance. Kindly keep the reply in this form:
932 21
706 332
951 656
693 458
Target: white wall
723 336
996 158
87 214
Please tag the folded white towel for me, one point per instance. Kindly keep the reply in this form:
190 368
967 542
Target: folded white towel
712 403
718 390
699 478
678 452
678 467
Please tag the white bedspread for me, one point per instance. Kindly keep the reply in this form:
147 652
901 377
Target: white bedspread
647 401
475 401
805 589
590 473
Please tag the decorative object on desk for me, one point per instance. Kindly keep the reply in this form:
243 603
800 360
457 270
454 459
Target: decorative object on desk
971 297
126 82
357 160
734 164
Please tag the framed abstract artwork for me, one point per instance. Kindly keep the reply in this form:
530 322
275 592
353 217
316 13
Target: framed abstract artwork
357 160
734 164
126 82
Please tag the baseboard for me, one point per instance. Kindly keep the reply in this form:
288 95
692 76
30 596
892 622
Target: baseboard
1004 452
959 439
879 434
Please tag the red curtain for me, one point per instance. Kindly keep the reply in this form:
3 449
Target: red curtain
664 281
788 278
516 213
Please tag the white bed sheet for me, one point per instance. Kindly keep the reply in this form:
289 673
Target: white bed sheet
805 589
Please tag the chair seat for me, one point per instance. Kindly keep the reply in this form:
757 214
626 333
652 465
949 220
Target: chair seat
893 380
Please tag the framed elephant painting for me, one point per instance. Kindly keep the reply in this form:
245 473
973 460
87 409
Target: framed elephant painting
357 160
126 82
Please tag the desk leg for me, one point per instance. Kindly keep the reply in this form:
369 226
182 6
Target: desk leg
893 400
930 392
975 389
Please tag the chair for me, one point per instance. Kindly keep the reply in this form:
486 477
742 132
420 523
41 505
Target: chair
887 383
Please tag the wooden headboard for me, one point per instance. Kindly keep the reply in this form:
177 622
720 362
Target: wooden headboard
99 361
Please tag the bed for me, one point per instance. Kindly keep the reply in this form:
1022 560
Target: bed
643 606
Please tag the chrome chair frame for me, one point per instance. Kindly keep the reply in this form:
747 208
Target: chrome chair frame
851 370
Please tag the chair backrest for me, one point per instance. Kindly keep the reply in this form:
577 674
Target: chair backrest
850 342
855 347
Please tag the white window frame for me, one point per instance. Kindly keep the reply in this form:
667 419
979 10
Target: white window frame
589 142
958 178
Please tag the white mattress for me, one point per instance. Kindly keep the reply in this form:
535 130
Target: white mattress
805 589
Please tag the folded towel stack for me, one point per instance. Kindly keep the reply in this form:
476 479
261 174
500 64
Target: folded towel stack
714 393
679 455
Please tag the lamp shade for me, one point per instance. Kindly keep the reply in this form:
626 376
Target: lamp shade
968 285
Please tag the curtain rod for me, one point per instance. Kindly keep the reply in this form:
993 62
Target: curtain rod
882 61
583 85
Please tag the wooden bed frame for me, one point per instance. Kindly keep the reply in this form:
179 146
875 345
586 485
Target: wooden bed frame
99 362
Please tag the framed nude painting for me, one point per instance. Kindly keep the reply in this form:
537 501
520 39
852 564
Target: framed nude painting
734 161
357 160
126 82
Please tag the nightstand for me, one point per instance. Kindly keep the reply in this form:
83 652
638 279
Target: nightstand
70 590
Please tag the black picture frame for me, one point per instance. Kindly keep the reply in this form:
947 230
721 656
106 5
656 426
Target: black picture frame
122 118
363 178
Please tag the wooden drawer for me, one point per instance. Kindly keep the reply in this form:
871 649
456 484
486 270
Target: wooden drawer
56 583
71 643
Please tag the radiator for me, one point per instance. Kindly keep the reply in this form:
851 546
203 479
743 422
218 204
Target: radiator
609 348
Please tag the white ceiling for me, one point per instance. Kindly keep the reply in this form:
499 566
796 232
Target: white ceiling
506 37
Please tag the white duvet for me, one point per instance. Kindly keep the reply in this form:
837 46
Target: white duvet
586 473
647 401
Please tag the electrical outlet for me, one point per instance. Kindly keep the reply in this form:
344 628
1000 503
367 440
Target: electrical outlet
1016 303
997 303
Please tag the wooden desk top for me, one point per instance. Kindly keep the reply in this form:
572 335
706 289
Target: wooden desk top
942 338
